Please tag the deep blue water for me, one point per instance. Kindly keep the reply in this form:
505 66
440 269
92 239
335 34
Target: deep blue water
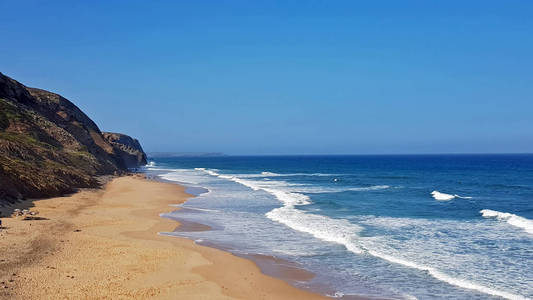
370 225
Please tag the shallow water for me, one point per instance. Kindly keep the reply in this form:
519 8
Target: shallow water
427 227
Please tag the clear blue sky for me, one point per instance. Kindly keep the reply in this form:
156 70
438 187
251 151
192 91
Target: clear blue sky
286 77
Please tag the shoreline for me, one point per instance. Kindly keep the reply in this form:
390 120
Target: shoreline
279 268
104 243
276 267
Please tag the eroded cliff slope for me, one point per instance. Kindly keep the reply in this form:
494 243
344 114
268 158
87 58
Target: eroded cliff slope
128 148
49 147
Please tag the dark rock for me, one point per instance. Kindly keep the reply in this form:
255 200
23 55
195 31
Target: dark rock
127 148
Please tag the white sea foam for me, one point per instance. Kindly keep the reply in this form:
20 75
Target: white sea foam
196 208
332 230
272 174
269 174
336 295
446 278
512 219
249 183
176 176
294 188
208 171
151 164
445 197
158 169
327 229
369 188
322 189
183 176
343 232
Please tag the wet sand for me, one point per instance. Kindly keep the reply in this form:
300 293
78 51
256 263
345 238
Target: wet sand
103 244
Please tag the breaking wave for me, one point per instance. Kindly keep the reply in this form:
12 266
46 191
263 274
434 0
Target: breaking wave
512 219
272 174
343 232
445 197
318 190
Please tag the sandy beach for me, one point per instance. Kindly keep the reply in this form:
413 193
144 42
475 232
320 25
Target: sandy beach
103 244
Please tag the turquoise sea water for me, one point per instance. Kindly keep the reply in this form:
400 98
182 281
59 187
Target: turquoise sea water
402 227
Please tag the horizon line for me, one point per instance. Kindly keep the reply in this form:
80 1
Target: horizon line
216 154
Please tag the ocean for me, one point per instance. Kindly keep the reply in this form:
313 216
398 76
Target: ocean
400 227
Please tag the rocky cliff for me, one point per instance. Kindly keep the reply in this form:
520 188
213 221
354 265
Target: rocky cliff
49 147
128 148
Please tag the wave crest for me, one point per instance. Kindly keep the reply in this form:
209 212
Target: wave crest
512 219
446 197
344 232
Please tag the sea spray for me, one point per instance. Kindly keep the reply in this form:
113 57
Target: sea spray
387 199
445 197
343 232
512 219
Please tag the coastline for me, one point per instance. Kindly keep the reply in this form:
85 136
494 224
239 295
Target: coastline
104 244
273 266
269 265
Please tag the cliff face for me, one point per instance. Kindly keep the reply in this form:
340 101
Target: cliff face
128 148
49 147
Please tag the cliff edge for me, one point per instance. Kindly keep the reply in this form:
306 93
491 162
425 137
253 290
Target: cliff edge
49 147
128 148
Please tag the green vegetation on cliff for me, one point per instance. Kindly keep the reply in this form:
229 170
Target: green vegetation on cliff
49 147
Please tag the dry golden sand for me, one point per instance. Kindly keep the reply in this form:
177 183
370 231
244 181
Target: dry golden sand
103 244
